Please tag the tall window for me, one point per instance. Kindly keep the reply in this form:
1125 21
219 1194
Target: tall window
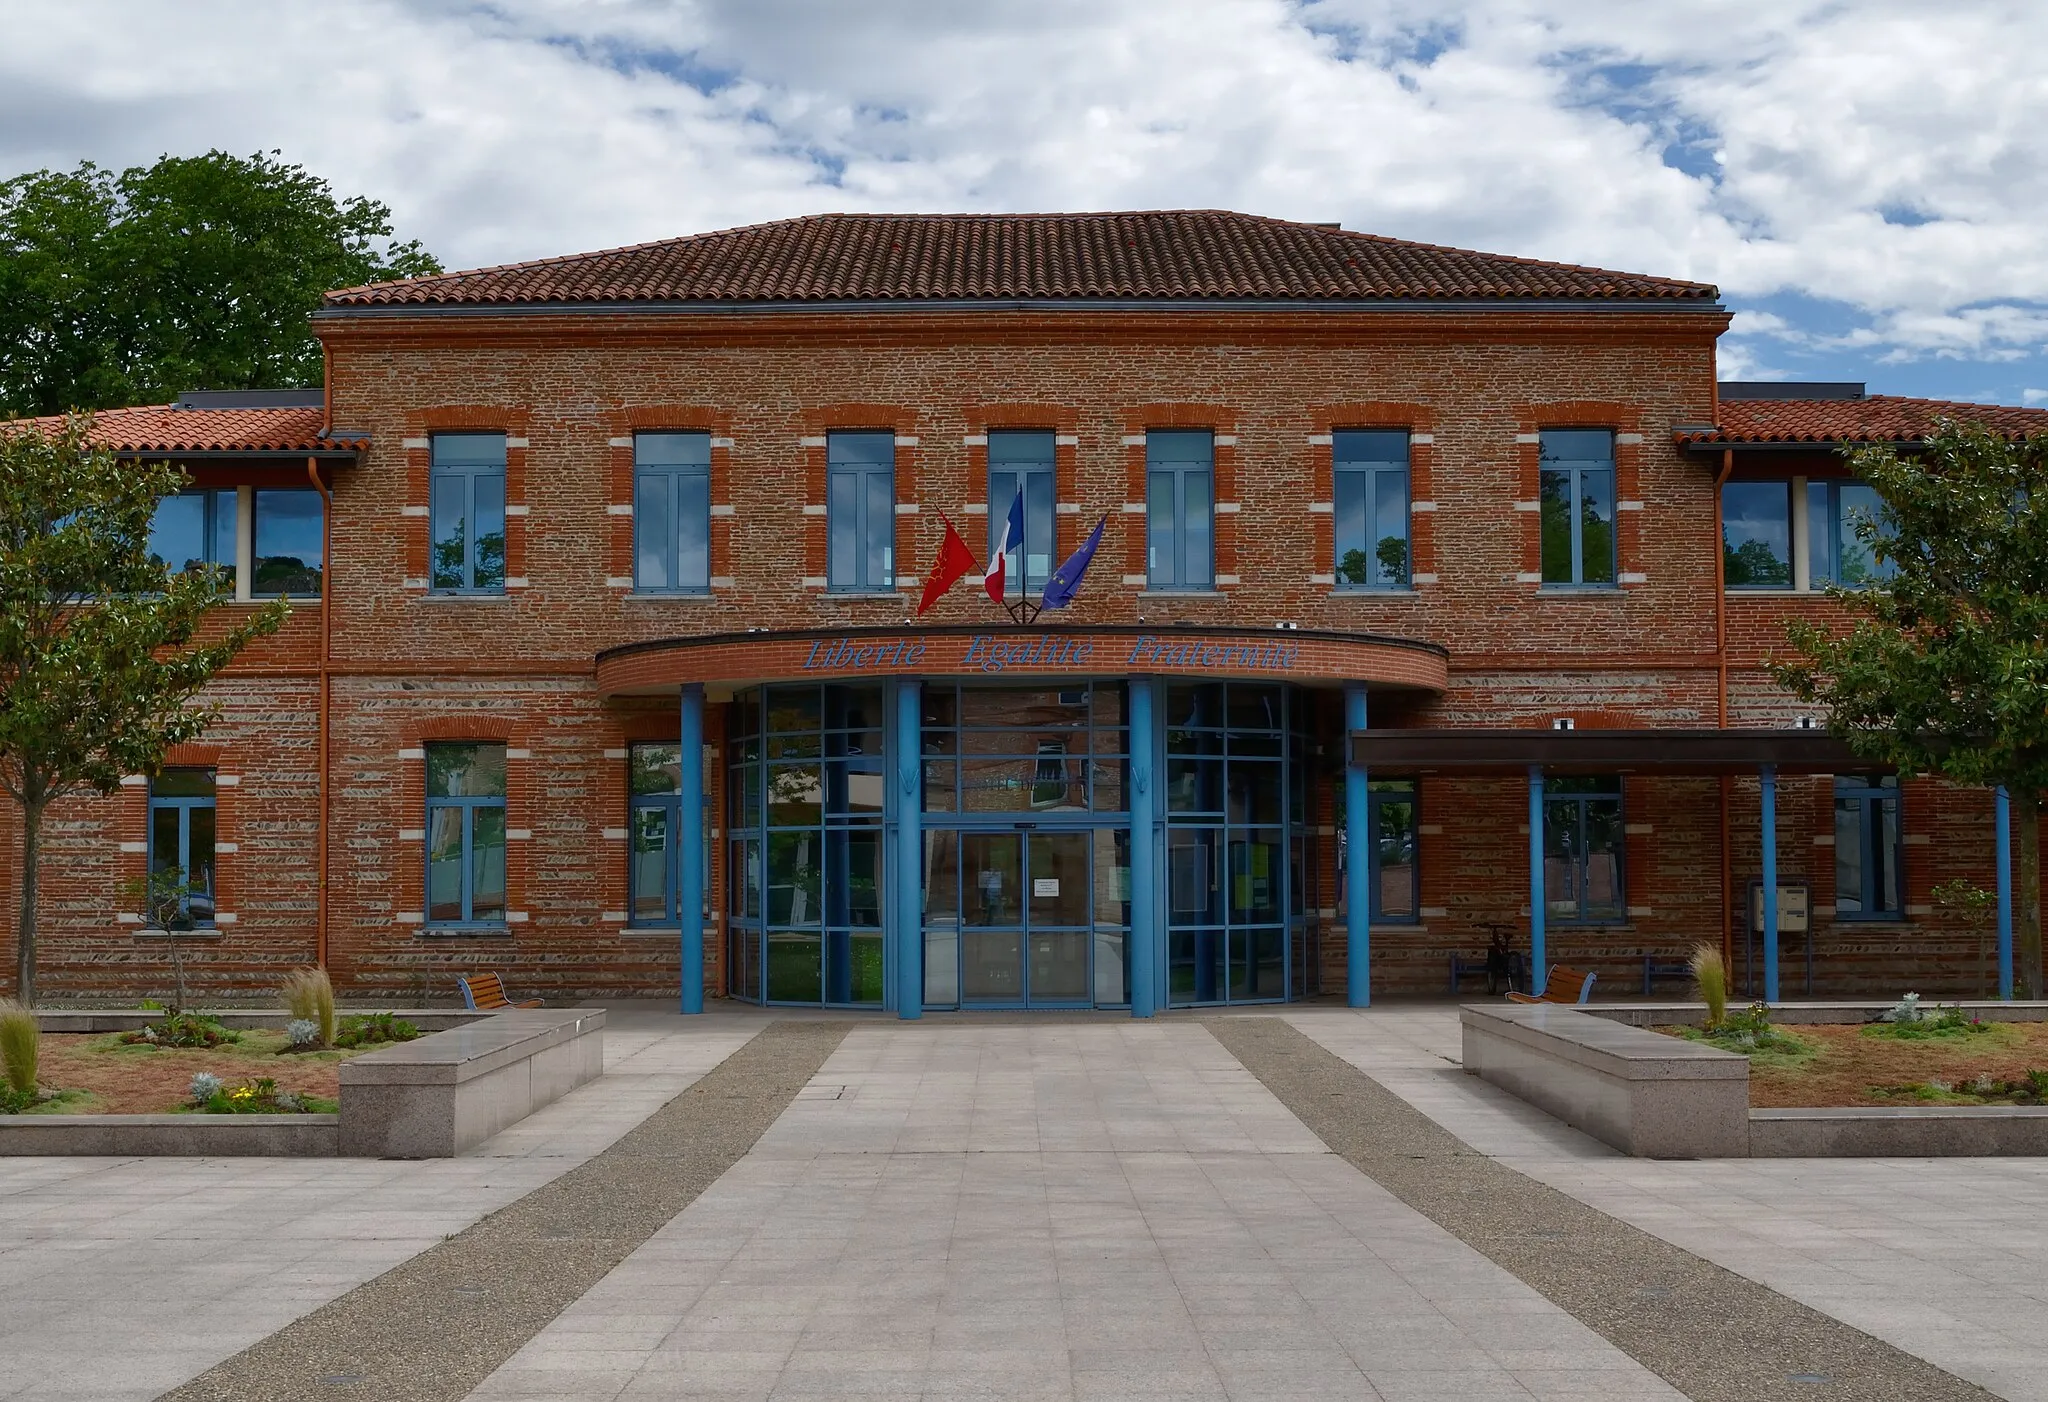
465 834
1180 509
181 845
194 529
657 832
288 547
469 512
860 509
1022 461
1582 850
1756 535
672 512
1577 506
1371 472
1867 848
1392 816
1837 551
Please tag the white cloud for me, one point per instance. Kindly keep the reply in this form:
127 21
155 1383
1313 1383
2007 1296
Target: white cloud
1884 156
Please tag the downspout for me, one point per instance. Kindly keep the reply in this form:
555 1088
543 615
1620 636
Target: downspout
1721 654
326 636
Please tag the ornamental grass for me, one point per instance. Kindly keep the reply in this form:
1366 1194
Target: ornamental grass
21 1041
309 997
1710 974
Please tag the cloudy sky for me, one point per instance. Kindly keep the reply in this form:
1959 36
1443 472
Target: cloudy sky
1867 180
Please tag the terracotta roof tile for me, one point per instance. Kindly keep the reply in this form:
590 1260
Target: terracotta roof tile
1167 254
1876 418
162 428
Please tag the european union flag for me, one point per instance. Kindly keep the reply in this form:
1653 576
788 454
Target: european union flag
1066 580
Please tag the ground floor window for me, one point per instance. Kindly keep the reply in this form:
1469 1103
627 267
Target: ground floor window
1867 848
1582 850
181 849
465 834
655 834
1392 821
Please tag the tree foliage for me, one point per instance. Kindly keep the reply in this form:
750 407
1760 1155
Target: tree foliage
1944 667
194 272
102 655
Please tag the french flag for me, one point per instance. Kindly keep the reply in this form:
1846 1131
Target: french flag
1013 540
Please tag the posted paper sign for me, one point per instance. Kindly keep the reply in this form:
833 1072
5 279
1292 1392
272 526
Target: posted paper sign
1045 885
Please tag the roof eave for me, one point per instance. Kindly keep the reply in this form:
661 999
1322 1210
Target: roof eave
653 307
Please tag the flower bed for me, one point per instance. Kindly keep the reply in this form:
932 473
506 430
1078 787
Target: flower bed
104 1075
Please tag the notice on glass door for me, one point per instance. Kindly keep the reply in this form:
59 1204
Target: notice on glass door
1045 885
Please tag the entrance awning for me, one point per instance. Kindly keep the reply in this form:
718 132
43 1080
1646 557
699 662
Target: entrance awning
1699 752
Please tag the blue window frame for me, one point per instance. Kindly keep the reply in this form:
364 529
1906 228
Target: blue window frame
288 546
1022 460
1756 535
468 507
465 834
1180 509
672 512
1869 849
1370 479
194 529
1394 815
1576 503
1837 553
181 843
860 512
1583 844
656 832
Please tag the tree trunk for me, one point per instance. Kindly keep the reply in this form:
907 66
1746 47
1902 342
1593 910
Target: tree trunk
25 948
2026 838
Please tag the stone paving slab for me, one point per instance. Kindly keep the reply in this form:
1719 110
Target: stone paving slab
121 1278
1946 1259
1055 1211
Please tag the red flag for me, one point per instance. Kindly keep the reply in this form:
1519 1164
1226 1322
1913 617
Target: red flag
955 560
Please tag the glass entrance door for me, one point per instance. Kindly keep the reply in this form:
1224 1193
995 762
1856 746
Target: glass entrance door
1027 918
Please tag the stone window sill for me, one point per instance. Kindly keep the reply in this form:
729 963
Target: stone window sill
1180 594
465 932
157 932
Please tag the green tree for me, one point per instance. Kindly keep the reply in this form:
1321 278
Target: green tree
101 649
193 272
1944 667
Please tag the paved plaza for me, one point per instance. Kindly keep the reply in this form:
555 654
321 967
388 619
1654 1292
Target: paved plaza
1016 1208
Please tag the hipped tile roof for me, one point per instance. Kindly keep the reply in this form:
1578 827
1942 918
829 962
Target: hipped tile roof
162 428
1876 418
1202 254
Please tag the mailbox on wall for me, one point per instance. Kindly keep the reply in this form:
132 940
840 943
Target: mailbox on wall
1794 907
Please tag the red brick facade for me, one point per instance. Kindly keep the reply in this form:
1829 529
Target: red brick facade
1476 384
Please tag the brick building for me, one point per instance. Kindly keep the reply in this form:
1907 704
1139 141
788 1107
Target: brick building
573 542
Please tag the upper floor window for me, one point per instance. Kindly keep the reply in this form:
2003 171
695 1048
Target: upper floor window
465 834
1020 462
288 548
1582 849
672 512
468 487
181 847
1577 506
1868 849
1836 552
860 511
197 528
1756 535
1371 508
657 830
1180 509
1393 822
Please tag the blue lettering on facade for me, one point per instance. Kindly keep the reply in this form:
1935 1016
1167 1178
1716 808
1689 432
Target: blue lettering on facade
987 652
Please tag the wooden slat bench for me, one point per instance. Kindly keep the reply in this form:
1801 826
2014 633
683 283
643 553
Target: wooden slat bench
1565 985
486 993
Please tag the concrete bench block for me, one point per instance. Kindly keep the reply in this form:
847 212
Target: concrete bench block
443 1094
1645 1094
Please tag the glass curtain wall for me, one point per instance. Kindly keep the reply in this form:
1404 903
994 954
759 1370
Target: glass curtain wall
1226 863
1304 852
805 785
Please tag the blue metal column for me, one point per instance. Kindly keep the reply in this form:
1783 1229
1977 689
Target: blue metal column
1145 936
907 843
2004 825
1539 970
690 847
1769 777
1357 855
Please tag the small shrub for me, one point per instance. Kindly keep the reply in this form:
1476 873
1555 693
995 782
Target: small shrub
301 1034
369 1029
205 1086
309 997
20 1046
1911 1021
1710 974
1904 1012
258 1097
182 1030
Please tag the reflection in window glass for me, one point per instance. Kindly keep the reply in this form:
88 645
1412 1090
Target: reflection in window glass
465 834
1022 461
860 511
195 529
1582 850
467 486
672 512
1371 509
1756 534
1180 509
1838 515
181 849
1392 820
288 546
1576 502
1868 855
